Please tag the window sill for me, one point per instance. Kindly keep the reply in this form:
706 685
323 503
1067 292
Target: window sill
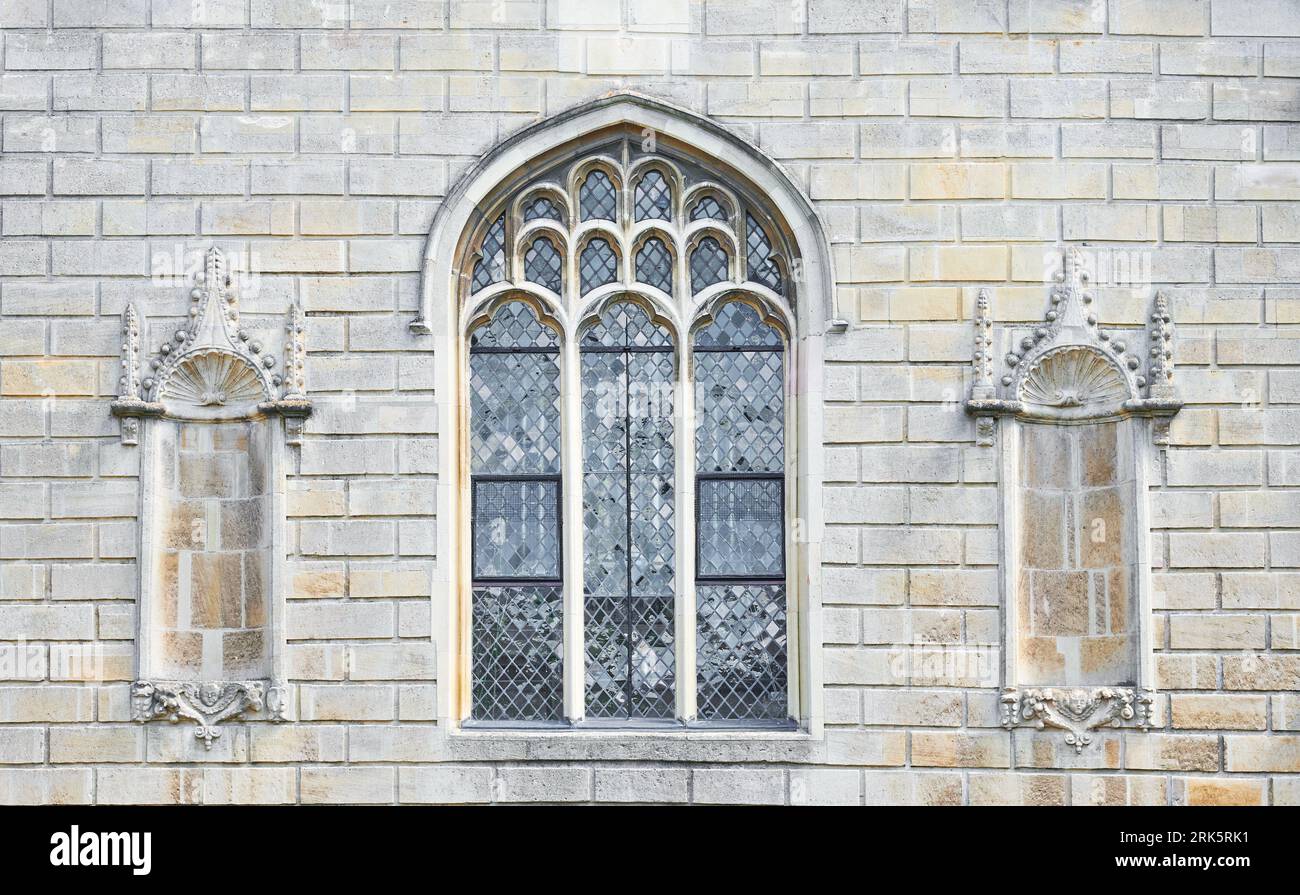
671 727
670 741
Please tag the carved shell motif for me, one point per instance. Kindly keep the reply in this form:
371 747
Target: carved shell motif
214 384
1074 381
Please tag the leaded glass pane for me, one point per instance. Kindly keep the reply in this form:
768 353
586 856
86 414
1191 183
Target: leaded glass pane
628 516
737 325
708 265
739 400
740 533
741 652
597 198
626 326
597 266
514 325
654 199
654 265
637 681
542 208
491 267
708 208
516 528
758 251
542 264
514 413
517 669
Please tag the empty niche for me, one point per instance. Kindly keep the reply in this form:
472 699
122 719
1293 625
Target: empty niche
211 410
1082 416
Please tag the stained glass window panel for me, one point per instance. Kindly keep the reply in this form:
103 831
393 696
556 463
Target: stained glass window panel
543 265
654 265
597 265
516 529
654 199
491 266
708 264
597 198
741 652
517 668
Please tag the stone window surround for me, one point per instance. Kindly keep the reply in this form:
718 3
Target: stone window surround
442 317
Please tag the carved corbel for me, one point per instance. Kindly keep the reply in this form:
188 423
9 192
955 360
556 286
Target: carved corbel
1077 710
207 703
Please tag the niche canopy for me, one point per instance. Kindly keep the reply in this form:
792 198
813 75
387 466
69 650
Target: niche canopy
211 554
213 369
1067 369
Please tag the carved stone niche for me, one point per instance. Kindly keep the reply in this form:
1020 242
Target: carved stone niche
212 414
1081 420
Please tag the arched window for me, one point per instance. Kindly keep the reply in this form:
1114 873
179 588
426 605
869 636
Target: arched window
626 428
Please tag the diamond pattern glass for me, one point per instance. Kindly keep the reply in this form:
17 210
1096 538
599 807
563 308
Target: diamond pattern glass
542 208
741 652
708 265
514 413
740 526
597 265
654 199
491 267
737 325
654 265
741 529
517 673
758 251
516 528
627 370
626 326
542 264
597 199
517 669
708 208
628 516
630 657
739 403
514 325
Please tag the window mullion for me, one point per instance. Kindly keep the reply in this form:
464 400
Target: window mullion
571 464
684 435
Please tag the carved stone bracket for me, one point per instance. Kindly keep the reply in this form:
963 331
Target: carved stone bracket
1067 368
1077 710
206 703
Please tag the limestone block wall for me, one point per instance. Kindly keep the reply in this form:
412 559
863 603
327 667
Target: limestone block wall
1077 584
948 146
214 515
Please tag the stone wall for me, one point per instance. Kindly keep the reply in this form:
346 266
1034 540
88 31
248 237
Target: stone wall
947 145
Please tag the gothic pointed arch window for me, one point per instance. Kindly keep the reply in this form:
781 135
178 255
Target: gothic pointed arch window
627 438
